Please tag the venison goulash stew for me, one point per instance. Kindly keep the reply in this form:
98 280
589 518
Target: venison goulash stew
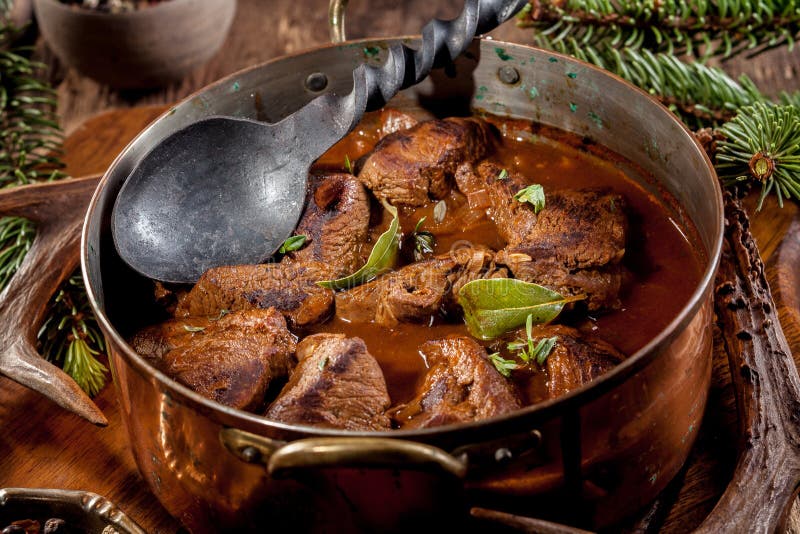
443 271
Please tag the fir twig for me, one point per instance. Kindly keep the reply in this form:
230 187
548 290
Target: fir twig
762 143
16 236
30 149
699 94
699 28
70 336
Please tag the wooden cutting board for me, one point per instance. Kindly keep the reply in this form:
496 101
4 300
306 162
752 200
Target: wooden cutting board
44 446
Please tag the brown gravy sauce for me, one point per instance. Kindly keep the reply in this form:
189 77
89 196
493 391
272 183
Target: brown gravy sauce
663 262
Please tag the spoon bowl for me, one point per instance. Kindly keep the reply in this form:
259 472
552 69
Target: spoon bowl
218 189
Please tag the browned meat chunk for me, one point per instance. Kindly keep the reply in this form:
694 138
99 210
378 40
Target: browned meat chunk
461 385
336 222
484 188
575 245
410 166
288 287
156 340
336 384
374 126
418 291
232 360
576 359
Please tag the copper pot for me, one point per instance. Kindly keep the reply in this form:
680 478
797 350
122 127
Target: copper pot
596 454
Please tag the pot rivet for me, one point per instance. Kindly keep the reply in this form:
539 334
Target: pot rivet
251 455
502 455
508 75
316 82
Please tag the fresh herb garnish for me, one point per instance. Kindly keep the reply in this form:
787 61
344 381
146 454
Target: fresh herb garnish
347 165
503 366
529 350
190 328
533 195
381 259
439 211
494 306
424 241
293 243
503 175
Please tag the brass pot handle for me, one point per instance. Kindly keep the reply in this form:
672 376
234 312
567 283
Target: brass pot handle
282 458
336 12
312 453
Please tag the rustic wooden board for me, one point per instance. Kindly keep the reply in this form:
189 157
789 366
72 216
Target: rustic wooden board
42 446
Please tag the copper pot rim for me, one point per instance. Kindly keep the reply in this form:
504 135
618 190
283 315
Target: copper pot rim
538 412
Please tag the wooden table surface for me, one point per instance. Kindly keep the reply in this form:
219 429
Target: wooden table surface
43 446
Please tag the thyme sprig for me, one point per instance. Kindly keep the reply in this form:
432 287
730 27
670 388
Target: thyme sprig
424 241
529 351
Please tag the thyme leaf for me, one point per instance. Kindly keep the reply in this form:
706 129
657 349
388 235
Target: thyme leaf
503 366
533 195
424 241
293 243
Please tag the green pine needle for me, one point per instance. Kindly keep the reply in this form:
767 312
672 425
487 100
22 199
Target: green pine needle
700 95
70 336
30 149
762 143
701 28
16 237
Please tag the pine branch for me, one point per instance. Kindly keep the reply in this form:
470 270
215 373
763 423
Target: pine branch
760 140
30 138
70 336
762 143
16 237
699 28
30 149
699 94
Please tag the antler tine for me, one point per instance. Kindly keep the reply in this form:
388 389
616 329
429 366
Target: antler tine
58 209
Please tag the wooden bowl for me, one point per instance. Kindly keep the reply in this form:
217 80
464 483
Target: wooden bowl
141 49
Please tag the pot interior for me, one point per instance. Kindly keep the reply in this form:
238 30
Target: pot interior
493 77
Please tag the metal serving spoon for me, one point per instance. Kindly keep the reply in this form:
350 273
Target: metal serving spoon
227 191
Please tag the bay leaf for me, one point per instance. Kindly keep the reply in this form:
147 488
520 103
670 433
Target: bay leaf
382 258
494 306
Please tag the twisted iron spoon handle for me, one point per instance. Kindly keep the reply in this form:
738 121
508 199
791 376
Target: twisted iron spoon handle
442 42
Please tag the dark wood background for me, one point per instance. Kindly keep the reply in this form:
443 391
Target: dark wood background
42 446
264 29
